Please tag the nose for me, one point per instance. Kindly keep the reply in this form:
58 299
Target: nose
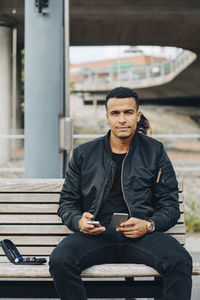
122 119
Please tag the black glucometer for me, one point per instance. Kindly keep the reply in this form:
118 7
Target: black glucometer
16 258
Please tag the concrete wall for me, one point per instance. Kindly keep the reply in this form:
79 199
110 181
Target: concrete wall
5 89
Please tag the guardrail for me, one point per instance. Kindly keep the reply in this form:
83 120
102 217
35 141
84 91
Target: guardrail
93 136
137 76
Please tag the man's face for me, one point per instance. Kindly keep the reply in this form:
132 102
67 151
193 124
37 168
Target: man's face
122 116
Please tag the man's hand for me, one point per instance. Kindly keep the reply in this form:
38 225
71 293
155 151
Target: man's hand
87 228
133 228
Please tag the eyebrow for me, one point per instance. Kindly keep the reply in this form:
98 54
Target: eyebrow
126 110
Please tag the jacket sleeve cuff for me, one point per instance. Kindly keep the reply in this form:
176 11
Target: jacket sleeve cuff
75 222
160 225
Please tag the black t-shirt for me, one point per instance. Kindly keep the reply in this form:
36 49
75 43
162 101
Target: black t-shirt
115 201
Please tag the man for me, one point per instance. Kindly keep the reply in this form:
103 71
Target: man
123 172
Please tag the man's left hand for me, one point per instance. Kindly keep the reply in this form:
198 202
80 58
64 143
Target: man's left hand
133 228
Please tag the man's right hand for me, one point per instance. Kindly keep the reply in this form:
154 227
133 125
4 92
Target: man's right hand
87 228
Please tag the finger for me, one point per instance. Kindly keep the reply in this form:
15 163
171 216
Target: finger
126 229
98 229
88 215
95 230
129 222
88 227
131 235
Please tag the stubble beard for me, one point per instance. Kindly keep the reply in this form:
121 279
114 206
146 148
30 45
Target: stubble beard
126 137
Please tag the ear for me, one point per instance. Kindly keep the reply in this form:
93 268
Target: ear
138 116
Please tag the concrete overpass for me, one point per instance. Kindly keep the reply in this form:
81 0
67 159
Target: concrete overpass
123 22
127 22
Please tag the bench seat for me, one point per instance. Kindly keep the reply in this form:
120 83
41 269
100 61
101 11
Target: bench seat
7 270
28 217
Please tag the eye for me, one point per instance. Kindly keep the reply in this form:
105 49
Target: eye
114 113
129 112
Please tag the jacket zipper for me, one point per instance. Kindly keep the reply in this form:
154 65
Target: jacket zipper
122 185
158 177
100 198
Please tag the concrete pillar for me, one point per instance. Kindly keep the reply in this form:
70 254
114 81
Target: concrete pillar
5 89
43 89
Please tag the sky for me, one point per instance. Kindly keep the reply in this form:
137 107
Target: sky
94 53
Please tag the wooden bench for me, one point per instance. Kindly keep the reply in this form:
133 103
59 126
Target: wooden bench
28 216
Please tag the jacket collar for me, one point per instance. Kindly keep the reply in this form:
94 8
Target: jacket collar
106 141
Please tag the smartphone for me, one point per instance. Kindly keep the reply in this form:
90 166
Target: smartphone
117 219
95 223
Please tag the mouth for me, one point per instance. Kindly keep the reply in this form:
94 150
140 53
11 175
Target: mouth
123 128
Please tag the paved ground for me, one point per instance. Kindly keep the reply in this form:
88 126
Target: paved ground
193 246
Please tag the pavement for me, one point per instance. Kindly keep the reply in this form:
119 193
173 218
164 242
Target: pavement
193 246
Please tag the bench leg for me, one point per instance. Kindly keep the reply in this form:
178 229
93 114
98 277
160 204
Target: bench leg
129 279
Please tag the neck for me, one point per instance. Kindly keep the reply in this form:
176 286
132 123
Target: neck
119 145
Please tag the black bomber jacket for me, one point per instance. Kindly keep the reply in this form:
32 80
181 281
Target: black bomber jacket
148 181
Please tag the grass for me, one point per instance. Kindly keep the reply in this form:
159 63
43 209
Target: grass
192 217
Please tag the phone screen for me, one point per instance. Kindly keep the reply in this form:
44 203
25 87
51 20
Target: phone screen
117 219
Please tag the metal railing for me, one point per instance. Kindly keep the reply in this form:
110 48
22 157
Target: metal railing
138 76
169 137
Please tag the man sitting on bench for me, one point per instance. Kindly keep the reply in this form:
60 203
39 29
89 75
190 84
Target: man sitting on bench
124 172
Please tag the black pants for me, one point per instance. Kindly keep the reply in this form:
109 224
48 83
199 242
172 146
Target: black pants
158 250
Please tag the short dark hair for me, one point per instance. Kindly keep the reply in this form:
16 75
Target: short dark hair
122 92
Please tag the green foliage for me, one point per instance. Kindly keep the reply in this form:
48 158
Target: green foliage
192 217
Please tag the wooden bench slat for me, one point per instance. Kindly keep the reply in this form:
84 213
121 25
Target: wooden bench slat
28 208
37 208
29 198
30 185
181 197
180 185
181 219
41 198
7 270
26 240
30 219
34 229
179 228
181 207
59 229
39 185
33 251
39 219
196 268
119 270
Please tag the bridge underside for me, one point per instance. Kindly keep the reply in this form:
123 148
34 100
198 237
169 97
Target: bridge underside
153 22
184 85
119 22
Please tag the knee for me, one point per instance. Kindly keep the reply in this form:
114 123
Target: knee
59 260
182 260
177 258
55 258
186 260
